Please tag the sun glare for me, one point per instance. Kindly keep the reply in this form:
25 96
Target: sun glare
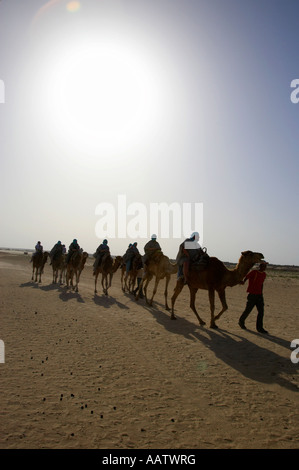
73 6
101 94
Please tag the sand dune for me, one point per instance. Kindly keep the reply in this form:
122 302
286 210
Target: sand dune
86 371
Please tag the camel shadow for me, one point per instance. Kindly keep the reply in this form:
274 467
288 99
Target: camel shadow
32 284
66 295
50 287
106 301
253 361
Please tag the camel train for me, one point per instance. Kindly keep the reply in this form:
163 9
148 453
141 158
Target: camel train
214 276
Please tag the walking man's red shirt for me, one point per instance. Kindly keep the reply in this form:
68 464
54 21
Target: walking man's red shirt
256 280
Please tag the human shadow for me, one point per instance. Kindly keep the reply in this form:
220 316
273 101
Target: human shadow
253 361
272 338
250 359
107 301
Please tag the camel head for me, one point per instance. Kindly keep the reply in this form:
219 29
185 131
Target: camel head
251 257
84 257
118 261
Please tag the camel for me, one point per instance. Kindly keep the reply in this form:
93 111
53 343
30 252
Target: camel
131 275
215 277
107 267
39 260
58 265
159 266
75 267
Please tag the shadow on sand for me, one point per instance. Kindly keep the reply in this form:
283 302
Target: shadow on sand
67 294
253 361
106 301
32 284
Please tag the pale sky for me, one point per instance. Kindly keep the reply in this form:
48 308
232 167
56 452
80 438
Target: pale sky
157 101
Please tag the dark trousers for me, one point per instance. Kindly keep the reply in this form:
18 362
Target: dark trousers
254 300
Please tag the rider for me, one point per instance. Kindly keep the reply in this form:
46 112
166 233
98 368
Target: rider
128 256
38 249
189 250
150 249
72 249
101 250
57 249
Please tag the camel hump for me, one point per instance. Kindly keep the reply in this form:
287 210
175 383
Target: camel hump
201 262
157 256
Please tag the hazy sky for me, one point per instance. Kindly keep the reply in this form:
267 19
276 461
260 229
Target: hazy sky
150 101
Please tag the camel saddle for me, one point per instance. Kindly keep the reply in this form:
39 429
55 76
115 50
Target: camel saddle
201 261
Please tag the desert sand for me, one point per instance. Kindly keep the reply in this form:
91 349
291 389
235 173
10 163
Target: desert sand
86 371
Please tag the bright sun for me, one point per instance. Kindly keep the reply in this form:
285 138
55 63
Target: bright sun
101 94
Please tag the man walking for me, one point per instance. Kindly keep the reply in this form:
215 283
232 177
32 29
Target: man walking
255 298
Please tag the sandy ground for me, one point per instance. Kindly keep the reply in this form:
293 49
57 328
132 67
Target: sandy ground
89 371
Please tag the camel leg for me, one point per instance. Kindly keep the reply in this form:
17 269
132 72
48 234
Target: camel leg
212 308
140 287
125 282
107 285
177 290
95 282
132 283
148 279
104 282
166 291
77 282
193 291
122 280
222 298
157 280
